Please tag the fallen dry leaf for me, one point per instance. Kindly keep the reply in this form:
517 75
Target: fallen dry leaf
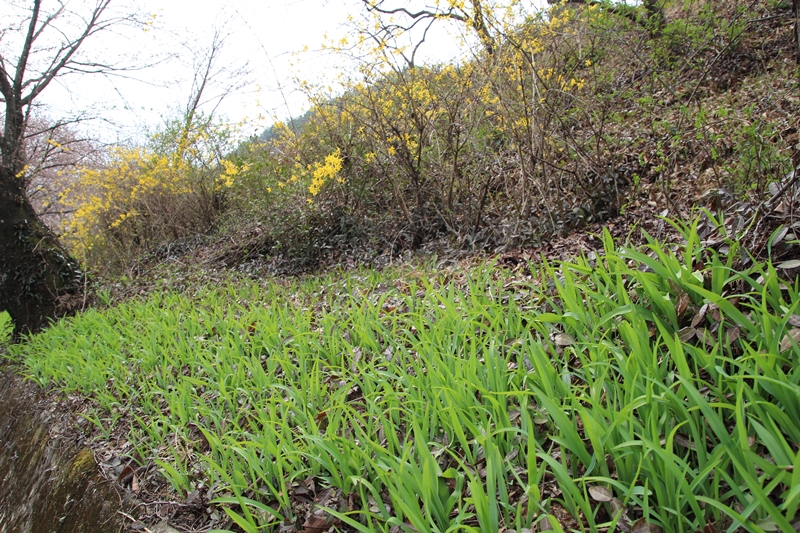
686 334
564 339
316 523
600 494
641 526
126 477
699 316
786 265
793 335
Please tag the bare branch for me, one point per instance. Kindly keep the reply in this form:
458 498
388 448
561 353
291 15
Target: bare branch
5 81
48 20
419 44
450 13
206 76
22 64
476 19
59 62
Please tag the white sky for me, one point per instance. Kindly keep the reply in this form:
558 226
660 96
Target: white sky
265 34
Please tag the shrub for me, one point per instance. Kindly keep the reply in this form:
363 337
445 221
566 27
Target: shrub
142 196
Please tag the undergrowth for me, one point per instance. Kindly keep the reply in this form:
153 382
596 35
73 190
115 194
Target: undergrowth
574 115
640 389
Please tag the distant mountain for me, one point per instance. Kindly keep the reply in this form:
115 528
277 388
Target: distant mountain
297 123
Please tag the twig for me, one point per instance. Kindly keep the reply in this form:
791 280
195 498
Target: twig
85 290
769 205
765 19
179 504
126 515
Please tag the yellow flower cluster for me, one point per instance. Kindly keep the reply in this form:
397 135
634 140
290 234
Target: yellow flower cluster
21 173
328 170
559 81
230 171
57 145
558 21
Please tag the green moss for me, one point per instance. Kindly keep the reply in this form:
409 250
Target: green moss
82 463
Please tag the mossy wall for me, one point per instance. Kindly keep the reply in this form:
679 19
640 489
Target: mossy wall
48 482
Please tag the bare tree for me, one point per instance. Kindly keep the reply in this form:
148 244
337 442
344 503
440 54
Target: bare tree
473 13
36 275
213 80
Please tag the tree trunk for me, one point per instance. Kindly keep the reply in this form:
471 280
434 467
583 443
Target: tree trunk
796 14
37 277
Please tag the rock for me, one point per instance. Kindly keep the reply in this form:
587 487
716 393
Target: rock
47 481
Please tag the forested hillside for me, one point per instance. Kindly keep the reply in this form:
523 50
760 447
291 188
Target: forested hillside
579 113
550 285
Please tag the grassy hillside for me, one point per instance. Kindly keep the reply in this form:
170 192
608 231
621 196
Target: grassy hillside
651 389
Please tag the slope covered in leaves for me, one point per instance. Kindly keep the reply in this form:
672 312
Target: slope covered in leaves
580 114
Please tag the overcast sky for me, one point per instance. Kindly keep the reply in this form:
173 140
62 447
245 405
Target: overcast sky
264 34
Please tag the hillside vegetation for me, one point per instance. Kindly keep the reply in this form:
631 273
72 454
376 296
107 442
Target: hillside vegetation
643 382
578 114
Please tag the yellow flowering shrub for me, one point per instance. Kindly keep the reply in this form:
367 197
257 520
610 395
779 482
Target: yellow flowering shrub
323 172
446 147
104 198
229 172
139 196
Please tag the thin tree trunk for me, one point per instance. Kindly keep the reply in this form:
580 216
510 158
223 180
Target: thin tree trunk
655 17
37 276
796 13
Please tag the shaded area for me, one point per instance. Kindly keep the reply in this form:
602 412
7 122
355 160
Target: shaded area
50 481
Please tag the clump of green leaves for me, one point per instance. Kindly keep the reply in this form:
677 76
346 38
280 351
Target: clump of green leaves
761 157
6 328
643 388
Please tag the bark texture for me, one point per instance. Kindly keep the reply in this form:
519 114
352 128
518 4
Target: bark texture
796 14
37 278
